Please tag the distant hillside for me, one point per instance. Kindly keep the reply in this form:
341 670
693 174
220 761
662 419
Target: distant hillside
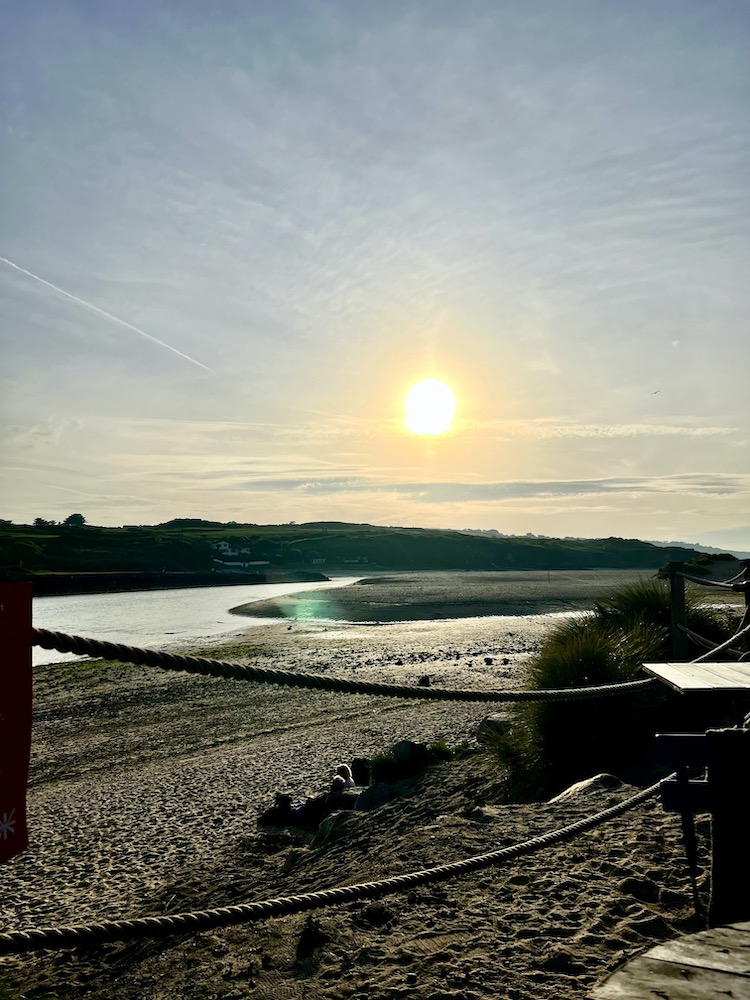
197 546
708 549
697 546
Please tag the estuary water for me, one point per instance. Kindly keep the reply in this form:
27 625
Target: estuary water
172 618
158 618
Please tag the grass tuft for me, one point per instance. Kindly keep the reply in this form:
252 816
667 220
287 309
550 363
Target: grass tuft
550 746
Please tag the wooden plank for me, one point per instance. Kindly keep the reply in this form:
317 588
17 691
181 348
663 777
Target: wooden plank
710 965
733 673
720 675
667 673
723 949
739 672
727 677
644 977
677 677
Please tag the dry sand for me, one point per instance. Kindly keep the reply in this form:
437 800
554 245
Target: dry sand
145 791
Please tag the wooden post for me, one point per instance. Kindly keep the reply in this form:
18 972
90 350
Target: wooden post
746 616
15 715
728 770
678 613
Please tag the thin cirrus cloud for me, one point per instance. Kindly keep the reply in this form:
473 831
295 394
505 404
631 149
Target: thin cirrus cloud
692 485
325 427
567 429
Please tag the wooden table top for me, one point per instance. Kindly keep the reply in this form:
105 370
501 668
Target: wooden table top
688 677
713 963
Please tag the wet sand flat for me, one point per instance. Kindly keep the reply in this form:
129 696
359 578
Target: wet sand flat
443 595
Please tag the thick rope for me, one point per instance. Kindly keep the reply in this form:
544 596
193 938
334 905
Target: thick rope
745 572
723 645
80 935
287 678
706 643
733 584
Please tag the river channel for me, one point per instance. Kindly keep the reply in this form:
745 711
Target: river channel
158 618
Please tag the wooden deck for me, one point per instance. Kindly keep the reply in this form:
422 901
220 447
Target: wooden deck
709 965
729 678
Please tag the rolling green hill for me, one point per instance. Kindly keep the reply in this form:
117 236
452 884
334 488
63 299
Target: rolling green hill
209 548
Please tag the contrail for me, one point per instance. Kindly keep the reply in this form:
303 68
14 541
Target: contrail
103 312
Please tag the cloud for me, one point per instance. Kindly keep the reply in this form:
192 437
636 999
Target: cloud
44 435
326 427
550 428
698 485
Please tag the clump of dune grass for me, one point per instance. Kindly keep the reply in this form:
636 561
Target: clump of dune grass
548 746
649 601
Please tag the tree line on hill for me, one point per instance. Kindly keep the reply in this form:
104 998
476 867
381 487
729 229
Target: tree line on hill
196 545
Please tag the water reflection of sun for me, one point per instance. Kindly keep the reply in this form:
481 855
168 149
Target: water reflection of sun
430 407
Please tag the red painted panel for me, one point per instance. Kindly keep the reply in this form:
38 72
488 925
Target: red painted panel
15 715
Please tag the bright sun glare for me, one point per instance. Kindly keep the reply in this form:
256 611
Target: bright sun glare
430 407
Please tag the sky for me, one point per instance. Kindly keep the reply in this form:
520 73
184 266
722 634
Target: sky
234 234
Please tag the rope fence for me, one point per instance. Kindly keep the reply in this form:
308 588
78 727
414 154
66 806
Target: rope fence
735 584
89 935
713 647
64 643
722 646
680 633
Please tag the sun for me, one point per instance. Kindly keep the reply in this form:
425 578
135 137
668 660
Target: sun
430 407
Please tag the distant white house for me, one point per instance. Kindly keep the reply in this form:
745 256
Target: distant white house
227 549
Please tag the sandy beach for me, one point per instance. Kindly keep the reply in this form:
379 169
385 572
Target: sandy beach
145 792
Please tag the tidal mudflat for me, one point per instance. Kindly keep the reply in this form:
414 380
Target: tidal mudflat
385 597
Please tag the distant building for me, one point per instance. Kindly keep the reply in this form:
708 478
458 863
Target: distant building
230 549
225 548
